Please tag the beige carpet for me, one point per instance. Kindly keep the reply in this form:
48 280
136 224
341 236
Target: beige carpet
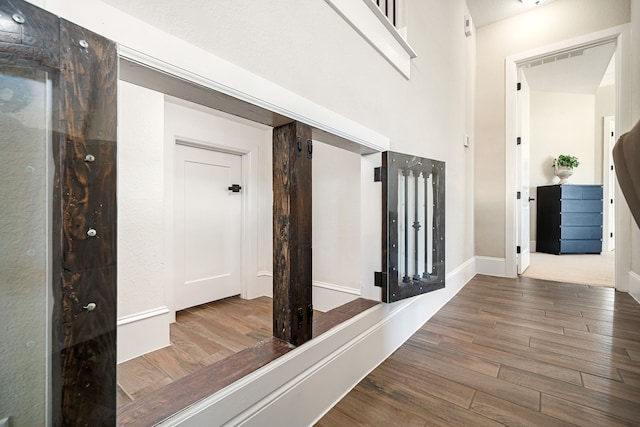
584 269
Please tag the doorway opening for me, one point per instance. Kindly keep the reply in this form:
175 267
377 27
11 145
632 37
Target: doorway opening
533 168
192 132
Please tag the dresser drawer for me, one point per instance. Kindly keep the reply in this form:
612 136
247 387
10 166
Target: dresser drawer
581 192
585 233
571 205
577 218
581 246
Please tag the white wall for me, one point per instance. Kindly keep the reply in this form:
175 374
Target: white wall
551 23
336 226
143 305
561 123
141 270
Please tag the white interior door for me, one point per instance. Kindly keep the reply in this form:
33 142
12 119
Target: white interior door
608 181
523 159
208 226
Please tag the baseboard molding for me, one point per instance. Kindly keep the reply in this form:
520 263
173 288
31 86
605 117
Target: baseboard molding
265 283
313 377
491 266
327 296
143 332
634 285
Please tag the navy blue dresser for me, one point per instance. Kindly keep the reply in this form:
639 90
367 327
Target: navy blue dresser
569 219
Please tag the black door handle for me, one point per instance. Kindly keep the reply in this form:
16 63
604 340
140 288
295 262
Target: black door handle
531 199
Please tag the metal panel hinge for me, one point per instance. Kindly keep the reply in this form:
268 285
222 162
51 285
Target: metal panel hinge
380 278
518 140
518 249
518 86
518 195
235 188
377 174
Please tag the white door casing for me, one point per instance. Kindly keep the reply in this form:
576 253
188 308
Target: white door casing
523 158
621 36
208 226
608 181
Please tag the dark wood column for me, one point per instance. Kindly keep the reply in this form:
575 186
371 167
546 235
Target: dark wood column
292 307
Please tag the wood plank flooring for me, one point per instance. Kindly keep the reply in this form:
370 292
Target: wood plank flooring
510 352
212 346
201 336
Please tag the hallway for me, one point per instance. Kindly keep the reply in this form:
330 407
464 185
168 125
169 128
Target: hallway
510 351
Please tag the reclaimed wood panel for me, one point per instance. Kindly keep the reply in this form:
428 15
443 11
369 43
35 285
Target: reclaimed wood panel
292 274
82 67
85 192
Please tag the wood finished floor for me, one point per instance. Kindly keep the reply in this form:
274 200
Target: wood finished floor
212 346
510 352
200 337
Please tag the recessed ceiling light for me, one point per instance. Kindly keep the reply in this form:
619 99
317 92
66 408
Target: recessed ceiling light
530 3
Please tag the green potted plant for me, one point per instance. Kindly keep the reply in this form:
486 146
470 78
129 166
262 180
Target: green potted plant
563 166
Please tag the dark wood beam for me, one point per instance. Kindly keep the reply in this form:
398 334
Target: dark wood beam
292 306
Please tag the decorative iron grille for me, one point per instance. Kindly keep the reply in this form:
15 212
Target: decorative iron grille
413 239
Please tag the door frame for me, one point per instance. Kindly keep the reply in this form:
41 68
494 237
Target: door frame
180 246
620 35
181 132
609 186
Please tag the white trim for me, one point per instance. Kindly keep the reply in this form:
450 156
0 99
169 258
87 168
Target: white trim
283 101
265 274
143 332
265 283
491 266
634 285
137 317
369 21
620 35
327 296
337 288
334 362
608 186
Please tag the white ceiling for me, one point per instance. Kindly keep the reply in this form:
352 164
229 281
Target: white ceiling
485 12
579 71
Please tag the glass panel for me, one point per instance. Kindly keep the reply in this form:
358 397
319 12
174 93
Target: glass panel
26 175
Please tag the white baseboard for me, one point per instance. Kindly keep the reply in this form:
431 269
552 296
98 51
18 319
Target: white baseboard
316 375
634 285
142 333
265 283
491 266
327 296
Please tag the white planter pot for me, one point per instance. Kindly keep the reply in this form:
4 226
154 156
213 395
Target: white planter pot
563 172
